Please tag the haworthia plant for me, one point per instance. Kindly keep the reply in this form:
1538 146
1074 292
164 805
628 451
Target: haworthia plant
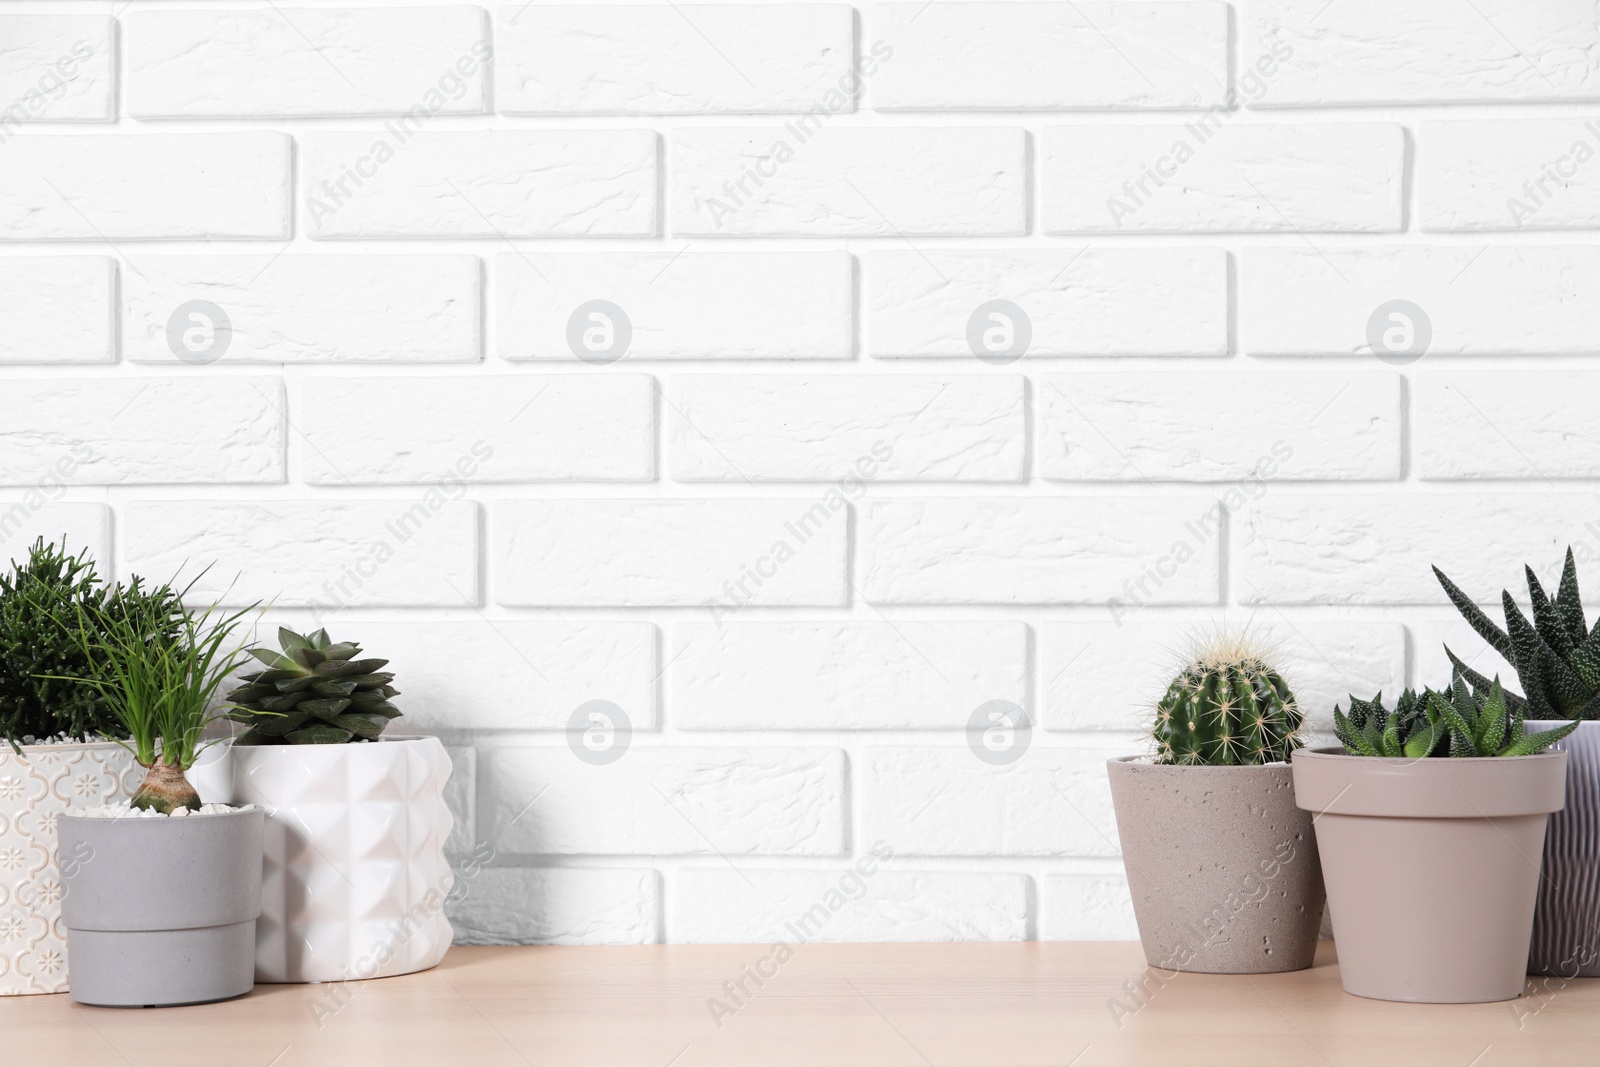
1226 707
1555 654
314 692
1464 721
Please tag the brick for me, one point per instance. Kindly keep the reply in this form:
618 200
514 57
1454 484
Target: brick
142 431
999 550
807 178
605 59
1531 424
487 183
669 801
1103 676
25 517
681 305
944 801
1049 56
1522 174
853 430
419 61
847 904
322 554
57 309
307 309
842 675
1208 427
1502 300
1212 175
558 906
55 68
1454 52
515 674
446 431
1086 907
1078 302
717 554
144 186
1327 549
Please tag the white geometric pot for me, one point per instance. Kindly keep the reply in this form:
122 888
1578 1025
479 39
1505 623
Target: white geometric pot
355 877
35 788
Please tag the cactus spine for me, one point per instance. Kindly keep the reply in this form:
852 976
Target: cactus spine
1227 707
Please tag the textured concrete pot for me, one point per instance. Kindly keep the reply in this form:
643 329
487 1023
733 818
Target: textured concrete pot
161 911
1431 868
36 786
1566 922
1222 866
356 874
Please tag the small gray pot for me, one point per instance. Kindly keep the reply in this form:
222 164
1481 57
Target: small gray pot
1566 922
1222 866
161 911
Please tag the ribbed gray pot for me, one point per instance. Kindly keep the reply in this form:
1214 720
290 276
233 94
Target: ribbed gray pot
161 911
1566 922
1222 866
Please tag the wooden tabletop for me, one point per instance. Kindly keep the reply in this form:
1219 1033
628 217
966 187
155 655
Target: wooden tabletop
920 1005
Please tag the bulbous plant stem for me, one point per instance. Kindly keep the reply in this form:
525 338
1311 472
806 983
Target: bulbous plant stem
165 789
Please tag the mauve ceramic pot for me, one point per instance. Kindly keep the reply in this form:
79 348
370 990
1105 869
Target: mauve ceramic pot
1431 867
161 911
1566 922
1222 866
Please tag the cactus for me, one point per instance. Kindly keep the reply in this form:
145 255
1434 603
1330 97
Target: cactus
1465 721
313 693
1556 656
1226 707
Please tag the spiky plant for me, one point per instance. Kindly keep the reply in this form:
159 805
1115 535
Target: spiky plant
1556 655
314 692
1227 707
1463 721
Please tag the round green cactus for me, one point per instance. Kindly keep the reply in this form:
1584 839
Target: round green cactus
1227 707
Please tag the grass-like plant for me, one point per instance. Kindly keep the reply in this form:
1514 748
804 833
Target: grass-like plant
1464 721
163 665
41 659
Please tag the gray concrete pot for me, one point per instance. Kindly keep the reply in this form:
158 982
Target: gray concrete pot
1566 922
1430 868
161 911
1221 864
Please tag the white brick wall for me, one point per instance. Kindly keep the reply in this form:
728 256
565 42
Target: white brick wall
709 408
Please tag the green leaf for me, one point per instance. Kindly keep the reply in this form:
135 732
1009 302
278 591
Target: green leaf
1551 629
1461 740
1494 719
1569 604
320 734
276 660
1497 638
328 708
1529 744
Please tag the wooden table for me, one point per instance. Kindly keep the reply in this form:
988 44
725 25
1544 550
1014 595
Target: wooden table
923 1005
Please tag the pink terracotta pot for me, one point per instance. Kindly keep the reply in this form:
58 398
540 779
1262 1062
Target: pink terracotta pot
1432 868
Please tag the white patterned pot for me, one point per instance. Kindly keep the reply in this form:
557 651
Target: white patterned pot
35 788
355 877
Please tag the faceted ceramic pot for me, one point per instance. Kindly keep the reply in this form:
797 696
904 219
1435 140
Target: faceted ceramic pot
1566 922
1221 864
1432 868
36 786
161 911
356 876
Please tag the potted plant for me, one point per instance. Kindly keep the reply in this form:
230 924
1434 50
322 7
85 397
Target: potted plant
160 894
57 750
1428 822
1557 660
356 874
1221 864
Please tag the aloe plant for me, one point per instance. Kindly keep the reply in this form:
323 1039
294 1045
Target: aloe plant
1555 654
1227 707
1464 721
